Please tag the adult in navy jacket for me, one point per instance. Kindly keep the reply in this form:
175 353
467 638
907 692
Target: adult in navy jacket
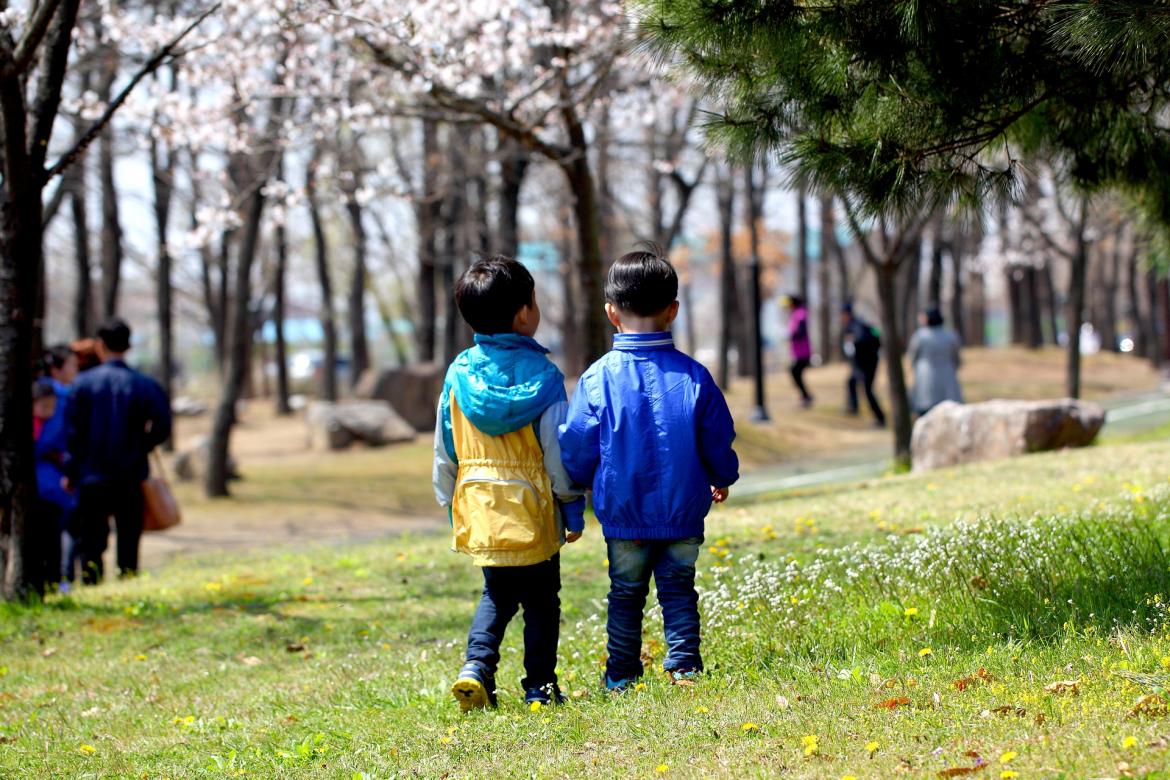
116 416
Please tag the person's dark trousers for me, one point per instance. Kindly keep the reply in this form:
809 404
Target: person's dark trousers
506 589
45 562
96 504
865 374
798 367
672 562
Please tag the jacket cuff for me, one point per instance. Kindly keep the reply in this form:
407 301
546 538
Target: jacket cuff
573 513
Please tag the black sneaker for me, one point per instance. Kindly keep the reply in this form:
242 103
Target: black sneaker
545 694
475 688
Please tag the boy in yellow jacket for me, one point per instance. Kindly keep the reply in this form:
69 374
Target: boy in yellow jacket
498 472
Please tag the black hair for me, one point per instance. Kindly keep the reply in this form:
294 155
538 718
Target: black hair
491 292
43 388
643 282
934 317
795 301
115 334
56 357
847 308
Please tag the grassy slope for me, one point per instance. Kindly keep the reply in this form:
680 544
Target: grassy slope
327 661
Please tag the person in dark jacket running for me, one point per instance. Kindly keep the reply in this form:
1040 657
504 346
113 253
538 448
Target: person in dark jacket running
115 417
863 348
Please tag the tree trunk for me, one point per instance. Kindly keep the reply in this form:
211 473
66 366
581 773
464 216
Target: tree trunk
1140 322
1157 322
514 161
802 267
1108 327
977 319
321 256
83 326
729 305
1051 303
283 406
958 293
111 227
595 328
911 303
1076 305
162 175
754 217
455 213
886 272
1030 303
21 260
428 214
934 282
240 332
1164 315
824 281
1015 304
359 344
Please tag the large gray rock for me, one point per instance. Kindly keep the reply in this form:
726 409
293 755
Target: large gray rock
413 391
191 462
337 426
955 433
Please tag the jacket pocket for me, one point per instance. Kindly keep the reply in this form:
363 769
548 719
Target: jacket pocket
498 514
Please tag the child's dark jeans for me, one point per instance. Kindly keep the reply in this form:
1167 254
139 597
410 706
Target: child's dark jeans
506 589
672 562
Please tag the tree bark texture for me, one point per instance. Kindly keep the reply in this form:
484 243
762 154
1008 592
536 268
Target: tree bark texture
321 258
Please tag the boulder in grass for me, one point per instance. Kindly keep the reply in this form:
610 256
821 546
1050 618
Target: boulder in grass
338 426
953 433
413 391
190 463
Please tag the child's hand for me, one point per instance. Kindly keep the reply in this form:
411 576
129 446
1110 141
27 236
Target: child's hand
719 495
572 536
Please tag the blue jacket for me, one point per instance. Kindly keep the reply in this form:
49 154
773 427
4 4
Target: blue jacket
52 453
115 417
502 384
649 429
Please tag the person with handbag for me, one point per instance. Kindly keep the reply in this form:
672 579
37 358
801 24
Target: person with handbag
115 417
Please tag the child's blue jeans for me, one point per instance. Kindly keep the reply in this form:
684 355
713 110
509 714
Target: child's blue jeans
506 589
672 562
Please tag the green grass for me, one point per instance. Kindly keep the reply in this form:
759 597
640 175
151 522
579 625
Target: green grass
336 661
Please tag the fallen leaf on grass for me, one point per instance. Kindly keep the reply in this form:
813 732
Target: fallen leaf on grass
1151 704
960 771
295 647
892 703
250 660
1064 686
5 739
52 651
981 676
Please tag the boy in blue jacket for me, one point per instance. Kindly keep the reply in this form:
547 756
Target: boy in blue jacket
649 429
498 471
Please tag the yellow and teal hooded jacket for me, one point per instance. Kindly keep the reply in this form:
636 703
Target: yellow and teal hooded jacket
497 465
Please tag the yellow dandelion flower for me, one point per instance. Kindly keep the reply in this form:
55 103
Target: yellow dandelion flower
307 581
534 706
925 652
1008 757
445 740
640 687
213 586
749 727
88 750
910 611
140 657
871 747
662 769
1008 774
1166 662
1128 743
701 710
810 745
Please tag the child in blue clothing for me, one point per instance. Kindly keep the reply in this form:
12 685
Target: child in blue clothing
498 471
649 429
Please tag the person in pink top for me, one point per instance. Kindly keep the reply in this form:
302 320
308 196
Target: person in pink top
800 344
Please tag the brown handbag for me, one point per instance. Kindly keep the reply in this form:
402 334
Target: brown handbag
160 509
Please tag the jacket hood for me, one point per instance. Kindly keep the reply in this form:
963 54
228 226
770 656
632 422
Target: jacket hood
505 382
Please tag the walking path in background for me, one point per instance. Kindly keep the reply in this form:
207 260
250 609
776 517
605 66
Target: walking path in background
1124 415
